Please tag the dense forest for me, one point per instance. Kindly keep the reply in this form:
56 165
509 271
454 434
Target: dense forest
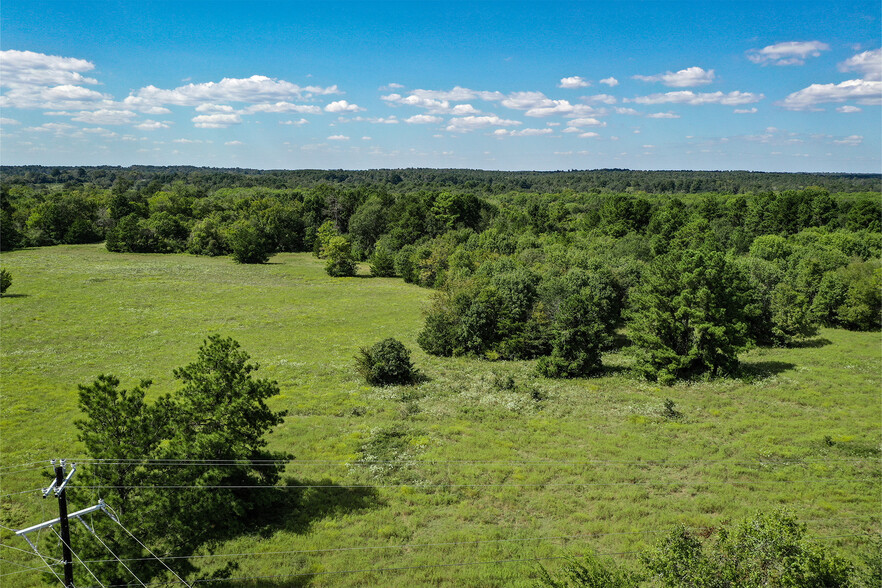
696 265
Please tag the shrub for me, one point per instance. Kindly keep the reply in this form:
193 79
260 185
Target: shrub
386 363
5 281
791 315
687 317
769 550
578 339
339 254
382 263
247 244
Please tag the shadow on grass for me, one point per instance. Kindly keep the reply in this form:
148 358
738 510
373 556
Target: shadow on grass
616 370
619 341
296 509
815 343
270 581
14 295
760 370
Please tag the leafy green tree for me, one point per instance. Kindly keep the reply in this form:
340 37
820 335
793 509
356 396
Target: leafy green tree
687 317
386 363
791 315
5 281
382 263
769 550
217 421
587 572
578 339
404 264
339 254
246 243
324 234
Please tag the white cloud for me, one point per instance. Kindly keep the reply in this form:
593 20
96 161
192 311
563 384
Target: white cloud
186 141
366 138
573 82
588 135
865 91
214 108
663 115
696 99
338 138
8 121
604 98
745 110
869 63
685 78
374 120
522 133
298 123
152 125
27 68
342 106
850 140
610 81
105 116
649 146
233 143
470 123
788 53
256 89
423 119
848 109
284 107
216 121
458 94
586 122
537 104
57 128
628 111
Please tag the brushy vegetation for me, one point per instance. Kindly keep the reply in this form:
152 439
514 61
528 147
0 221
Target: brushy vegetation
386 363
483 454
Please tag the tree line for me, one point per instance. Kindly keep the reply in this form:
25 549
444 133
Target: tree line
693 279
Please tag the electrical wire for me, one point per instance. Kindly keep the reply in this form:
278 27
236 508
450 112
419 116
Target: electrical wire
442 544
74 553
500 485
115 518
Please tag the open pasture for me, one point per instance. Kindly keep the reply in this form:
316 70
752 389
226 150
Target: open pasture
484 462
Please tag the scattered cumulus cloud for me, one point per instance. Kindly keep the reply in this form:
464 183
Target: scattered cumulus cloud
663 115
27 68
850 140
298 123
864 91
255 89
610 81
586 122
745 110
338 138
233 143
423 119
869 63
342 106
848 109
788 53
522 132
105 116
278 107
216 121
152 125
573 82
603 98
735 98
685 78
8 121
466 124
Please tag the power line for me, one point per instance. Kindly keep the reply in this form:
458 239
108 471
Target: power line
116 519
60 538
22 550
22 492
400 568
418 485
441 544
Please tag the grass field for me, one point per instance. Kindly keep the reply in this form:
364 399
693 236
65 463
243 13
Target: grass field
487 462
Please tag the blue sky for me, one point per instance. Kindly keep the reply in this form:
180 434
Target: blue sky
773 86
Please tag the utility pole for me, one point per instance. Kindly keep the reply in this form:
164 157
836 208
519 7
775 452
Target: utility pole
66 555
58 484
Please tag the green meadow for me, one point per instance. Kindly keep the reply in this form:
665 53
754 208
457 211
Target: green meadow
482 462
